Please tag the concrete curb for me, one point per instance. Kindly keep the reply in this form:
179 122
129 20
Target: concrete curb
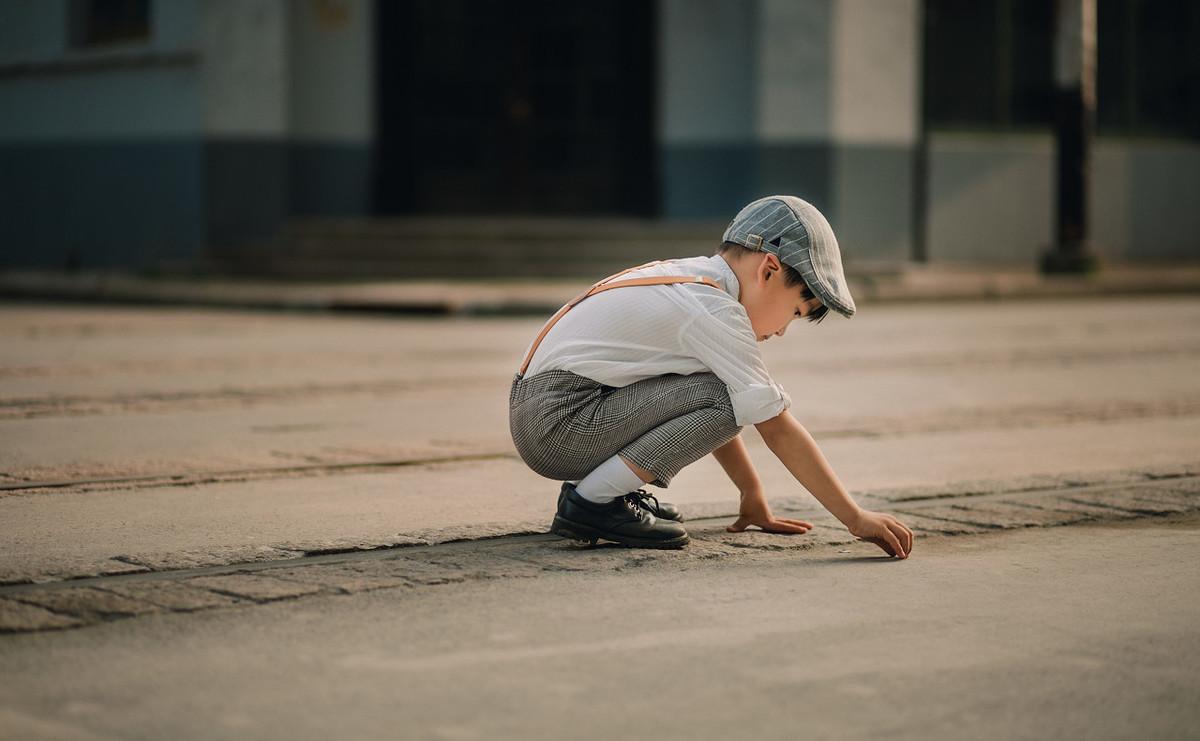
900 499
36 608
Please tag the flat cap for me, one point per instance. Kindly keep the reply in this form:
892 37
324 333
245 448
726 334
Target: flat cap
796 232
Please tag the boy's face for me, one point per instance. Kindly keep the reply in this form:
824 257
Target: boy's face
770 303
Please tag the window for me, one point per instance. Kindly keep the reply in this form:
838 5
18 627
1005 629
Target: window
989 64
103 22
1148 74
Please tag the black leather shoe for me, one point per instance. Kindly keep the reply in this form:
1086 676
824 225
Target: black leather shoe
642 498
622 521
665 510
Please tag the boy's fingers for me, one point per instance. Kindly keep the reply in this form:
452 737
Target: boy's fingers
795 522
893 541
897 541
783 526
902 536
880 543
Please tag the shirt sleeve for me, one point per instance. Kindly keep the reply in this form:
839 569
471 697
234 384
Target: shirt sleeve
723 340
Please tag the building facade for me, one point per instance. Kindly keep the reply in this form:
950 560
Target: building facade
147 132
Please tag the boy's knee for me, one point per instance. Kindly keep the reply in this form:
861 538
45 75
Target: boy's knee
714 389
718 398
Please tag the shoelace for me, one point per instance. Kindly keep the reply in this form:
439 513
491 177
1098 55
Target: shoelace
639 498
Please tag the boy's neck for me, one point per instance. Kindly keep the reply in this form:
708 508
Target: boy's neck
744 271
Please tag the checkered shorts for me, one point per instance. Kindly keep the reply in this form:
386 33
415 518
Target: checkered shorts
565 425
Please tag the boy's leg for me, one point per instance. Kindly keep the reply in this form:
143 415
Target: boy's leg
666 449
569 427
611 479
659 453
643 475
660 424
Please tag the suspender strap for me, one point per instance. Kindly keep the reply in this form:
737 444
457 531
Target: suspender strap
605 285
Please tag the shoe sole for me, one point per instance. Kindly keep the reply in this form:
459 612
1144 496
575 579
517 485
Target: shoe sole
576 531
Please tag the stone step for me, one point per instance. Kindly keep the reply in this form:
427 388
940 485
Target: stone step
444 247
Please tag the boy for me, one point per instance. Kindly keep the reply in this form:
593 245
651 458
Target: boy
659 366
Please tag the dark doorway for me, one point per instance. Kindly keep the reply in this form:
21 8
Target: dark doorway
516 107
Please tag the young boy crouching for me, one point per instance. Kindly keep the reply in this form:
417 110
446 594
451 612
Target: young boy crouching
660 366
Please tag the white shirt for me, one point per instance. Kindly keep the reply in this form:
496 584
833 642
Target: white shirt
625 335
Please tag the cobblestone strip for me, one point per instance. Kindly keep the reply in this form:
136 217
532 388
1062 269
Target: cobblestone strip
880 499
30 608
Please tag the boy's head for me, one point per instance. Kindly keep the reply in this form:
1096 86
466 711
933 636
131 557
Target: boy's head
787 262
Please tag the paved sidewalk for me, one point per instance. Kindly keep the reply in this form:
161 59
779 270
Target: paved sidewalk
543 296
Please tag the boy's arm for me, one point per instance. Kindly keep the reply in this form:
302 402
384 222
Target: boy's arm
753 510
798 452
735 459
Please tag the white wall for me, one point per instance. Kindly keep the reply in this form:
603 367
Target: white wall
876 63
261 68
245 67
159 96
838 70
874 121
794 70
332 71
32 30
124 103
706 76
1146 199
992 198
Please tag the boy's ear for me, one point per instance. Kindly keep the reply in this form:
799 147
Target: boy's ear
769 264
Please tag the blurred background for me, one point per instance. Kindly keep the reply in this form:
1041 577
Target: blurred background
219 521
454 137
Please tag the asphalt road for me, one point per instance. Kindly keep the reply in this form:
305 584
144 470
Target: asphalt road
1084 631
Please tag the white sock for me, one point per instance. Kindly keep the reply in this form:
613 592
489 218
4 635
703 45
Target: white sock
613 478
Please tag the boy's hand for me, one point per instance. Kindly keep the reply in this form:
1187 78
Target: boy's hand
885 531
756 512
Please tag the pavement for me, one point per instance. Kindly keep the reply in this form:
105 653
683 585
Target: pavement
877 283
1082 631
224 523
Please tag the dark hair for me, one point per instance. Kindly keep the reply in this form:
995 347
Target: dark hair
791 277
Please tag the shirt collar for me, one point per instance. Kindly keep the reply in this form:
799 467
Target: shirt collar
727 276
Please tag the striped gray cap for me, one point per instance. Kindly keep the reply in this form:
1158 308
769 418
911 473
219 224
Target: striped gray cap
796 232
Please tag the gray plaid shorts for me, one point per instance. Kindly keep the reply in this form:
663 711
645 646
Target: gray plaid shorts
565 425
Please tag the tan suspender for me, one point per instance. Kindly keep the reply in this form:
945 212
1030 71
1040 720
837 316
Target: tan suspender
604 285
